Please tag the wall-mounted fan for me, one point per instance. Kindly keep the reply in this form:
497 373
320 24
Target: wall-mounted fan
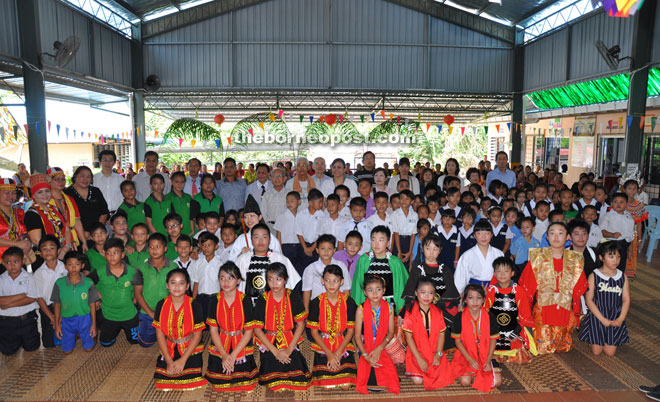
152 83
64 51
610 55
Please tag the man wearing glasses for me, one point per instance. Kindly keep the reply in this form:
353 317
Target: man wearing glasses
108 181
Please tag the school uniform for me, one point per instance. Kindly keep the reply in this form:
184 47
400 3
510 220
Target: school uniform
157 211
345 212
117 307
18 325
590 261
333 227
530 205
405 226
134 213
253 269
579 206
76 302
312 279
623 223
44 280
458 212
364 227
350 262
181 206
466 239
495 201
540 229
499 235
137 257
595 235
375 220
332 322
520 248
205 273
450 240
244 240
608 297
96 259
291 247
474 268
308 225
154 289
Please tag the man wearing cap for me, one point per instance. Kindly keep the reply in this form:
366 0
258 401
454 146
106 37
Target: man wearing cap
108 181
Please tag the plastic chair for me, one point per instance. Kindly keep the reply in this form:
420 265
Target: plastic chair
652 229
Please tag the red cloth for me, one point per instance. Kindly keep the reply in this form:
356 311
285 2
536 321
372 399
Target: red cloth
553 314
434 377
18 230
478 351
386 375
524 310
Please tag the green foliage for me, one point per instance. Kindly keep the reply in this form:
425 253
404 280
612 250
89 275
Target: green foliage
240 132
468 148
192 129
347 131
387 128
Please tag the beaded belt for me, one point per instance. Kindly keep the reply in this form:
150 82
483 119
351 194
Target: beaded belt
274 333
180 340
232 333
325 335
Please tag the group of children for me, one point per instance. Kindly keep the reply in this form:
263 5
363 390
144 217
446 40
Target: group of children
347 275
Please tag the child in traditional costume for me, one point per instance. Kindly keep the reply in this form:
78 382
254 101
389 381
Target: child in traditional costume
332 323
231 318
608 300
446 296
375 322
475 332
280 324
424 328
179 323
509 303
639 214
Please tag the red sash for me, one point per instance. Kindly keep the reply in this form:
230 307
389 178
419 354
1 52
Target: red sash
484 379
333 322
12 227
232 319
177 324
51 227
436 376
279 320
386 375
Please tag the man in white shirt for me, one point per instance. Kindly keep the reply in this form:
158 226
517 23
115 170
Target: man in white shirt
108 181
274 201
141 180
323 182
193 181
261 185
301 182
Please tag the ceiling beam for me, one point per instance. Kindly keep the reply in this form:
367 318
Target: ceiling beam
123 4
534 11
459 17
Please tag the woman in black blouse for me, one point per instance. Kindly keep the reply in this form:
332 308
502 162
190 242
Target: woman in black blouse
91 203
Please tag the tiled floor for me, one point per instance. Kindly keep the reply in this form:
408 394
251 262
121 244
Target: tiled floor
124 372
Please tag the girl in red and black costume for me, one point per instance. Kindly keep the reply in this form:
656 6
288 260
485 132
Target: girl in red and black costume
424 328
332 323
179 322
280 324
475 332
375 320
231 318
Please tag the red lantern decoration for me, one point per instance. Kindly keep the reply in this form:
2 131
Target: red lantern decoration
331 119
449 119
219 119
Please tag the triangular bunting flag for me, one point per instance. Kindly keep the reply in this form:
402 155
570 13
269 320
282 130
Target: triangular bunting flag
508 126
57 127
261 124
271 116
102 140
228 140
341 118
373 116
16 133
630 120
217 143
642 119
251 131
301 118
155 133
280 113
451 129
653 119
462 130
382 113
391 116
362 118
49 126
486 129
497 128
180 142
428 126
66 129
193 142
311 119
439 128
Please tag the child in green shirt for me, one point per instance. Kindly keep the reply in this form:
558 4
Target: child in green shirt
96 254
115 283
74 297
150 286
156 207
134 209
173 226
181 202
119 225
137 248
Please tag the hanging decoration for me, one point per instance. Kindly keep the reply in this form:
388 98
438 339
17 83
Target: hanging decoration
228 140
180 142
449 120
217 143
193 142
331 119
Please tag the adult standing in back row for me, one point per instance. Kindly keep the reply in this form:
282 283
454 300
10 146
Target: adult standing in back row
142 179
502 173
368 167
231 189
108 181
193 181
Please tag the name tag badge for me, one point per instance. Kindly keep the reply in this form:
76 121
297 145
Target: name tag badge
452 241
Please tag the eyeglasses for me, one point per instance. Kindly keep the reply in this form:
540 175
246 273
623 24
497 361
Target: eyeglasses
173 226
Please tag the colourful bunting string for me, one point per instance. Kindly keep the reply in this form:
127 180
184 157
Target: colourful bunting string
362 118
251 131
382 113
653 120
15 133
217 143
462 130
508 126
373 117
301 118
180 142
261 124
228 140
641 122
630 120
280 113
193 142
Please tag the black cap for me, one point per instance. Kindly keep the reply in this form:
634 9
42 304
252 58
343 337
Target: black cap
251 205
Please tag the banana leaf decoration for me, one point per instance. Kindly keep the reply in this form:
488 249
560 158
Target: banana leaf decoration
271 123
192 129
389 127
346 129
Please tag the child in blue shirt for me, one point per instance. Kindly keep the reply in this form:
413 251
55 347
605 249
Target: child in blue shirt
521 244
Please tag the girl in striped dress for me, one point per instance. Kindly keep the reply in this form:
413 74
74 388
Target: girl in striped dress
608 299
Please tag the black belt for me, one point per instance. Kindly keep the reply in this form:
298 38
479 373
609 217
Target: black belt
23 317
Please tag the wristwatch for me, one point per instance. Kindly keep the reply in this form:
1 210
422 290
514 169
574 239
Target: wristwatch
440 354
